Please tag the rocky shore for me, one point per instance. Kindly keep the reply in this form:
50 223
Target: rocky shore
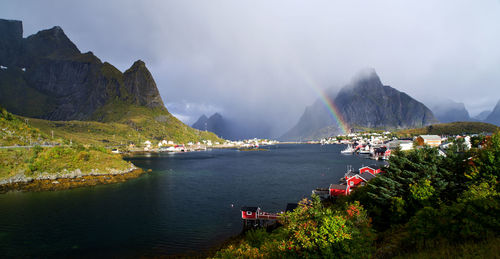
67 179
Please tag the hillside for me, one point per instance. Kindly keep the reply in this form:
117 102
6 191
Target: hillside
26 165
366 103
423 205
15 131
47 77
453 128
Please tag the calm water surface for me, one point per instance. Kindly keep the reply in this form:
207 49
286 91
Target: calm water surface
183 205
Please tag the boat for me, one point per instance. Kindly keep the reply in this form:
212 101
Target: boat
365 150
348 150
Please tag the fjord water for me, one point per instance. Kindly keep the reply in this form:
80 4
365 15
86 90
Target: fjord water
189 202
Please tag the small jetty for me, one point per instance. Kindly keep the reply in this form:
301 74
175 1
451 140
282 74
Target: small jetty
254 217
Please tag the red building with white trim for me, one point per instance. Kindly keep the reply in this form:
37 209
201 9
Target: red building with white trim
373 169
339 189
249 212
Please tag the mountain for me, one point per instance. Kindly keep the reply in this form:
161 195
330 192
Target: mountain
46 76
216 124
201 123
494 116
232 128
482 115
48 71
450 111
364 103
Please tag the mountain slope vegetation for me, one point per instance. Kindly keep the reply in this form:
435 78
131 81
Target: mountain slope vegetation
47 77
423 204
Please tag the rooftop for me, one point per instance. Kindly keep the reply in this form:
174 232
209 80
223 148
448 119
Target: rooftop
430 137
367 176
338 186
252 209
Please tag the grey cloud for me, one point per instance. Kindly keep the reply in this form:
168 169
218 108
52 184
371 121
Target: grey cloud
257 60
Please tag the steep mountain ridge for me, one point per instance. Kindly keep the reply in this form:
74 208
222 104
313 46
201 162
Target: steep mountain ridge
482 115
201 123
70 85
494 116
367 103
216 124
46 76
450 111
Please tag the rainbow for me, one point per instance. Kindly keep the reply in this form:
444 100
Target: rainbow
323 96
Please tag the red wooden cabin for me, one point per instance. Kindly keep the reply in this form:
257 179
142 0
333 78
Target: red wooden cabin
373 169
339 189
354 180
366 176
249 212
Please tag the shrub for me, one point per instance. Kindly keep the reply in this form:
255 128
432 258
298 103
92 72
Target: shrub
83 156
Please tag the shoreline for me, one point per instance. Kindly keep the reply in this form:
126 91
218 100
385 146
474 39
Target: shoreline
68 180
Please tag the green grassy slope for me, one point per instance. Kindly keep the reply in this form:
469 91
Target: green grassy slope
31 162
16 131
125 124
453 128
55 160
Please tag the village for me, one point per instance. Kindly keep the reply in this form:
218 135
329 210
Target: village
171 146
374 145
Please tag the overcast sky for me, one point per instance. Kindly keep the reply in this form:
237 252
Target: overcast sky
264 59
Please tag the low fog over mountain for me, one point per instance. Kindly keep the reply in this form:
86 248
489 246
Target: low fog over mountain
449 111
262 62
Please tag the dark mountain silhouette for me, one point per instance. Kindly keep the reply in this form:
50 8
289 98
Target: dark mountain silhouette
366 103
494 116
48 77
450 111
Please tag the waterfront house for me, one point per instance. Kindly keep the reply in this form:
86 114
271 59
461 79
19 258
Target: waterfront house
249 212
430 140
403 144
366 176
360 179
339 189
373 169
382 152
354 180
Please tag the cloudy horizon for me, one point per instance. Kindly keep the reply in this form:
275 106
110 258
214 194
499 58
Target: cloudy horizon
265 61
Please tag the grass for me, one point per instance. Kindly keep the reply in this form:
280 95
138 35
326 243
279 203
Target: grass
453 128
15 131
54 160
31 162
124 124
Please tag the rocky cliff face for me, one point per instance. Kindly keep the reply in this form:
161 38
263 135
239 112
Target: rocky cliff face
369 103
231 128
494 117
48 77
216 124
366 102
482 115
140 84
11 41
201 123
450 111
